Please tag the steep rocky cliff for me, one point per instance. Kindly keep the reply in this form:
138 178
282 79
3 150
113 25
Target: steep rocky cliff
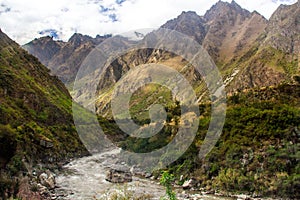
274 56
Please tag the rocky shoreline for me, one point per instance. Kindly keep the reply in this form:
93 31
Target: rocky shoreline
39 180
89 174
46 188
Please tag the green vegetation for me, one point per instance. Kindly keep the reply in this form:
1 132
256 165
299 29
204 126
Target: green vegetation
36 121
258 152
166 180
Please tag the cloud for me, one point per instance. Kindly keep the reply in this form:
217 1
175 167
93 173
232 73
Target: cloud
25 20
120 1
103 9
50 32
113 17
4 9
283 1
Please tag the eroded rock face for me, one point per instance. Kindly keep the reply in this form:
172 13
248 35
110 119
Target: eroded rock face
232 30
283 31
118 176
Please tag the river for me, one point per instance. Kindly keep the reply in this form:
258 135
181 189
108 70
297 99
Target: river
84 179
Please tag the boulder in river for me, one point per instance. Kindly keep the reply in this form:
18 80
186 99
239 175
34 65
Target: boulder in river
189 183
47 179
118 176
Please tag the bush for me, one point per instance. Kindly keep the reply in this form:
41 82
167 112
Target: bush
166 180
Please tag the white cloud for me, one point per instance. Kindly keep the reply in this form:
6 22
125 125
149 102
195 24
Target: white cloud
25 20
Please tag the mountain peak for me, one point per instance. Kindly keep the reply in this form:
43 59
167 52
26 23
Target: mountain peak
44 38
188 16
223 8
188 13
44 48
78 38
235 4
64 58
189 23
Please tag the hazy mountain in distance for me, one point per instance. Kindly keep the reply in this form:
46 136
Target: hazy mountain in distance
63 58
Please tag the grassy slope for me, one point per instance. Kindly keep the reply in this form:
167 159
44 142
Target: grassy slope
34 107
258 151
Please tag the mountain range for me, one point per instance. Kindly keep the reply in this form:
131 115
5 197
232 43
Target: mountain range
249 50
63 58
258 59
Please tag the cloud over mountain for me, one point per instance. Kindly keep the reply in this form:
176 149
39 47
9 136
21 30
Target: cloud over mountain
26 20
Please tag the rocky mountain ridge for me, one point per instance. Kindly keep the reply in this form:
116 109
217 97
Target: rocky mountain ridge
242 44
283 31
226 31
239 43
64 58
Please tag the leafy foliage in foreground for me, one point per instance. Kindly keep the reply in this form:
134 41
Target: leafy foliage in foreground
166 180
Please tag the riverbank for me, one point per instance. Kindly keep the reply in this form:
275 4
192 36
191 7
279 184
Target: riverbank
84 179
37 180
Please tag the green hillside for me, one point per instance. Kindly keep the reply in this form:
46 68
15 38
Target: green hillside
258 152
36 121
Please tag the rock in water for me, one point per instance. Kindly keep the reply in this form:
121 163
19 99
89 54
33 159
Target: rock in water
189 184
47 179
118 176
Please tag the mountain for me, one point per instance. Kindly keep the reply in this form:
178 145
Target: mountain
226 30
241 43
238 41
232 30
188 23
258 151
44 48
36 124
249 50
273 57
63 58
283 31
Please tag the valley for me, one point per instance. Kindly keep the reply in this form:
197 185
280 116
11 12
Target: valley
80 107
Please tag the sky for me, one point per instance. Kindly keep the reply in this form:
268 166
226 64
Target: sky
25 20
